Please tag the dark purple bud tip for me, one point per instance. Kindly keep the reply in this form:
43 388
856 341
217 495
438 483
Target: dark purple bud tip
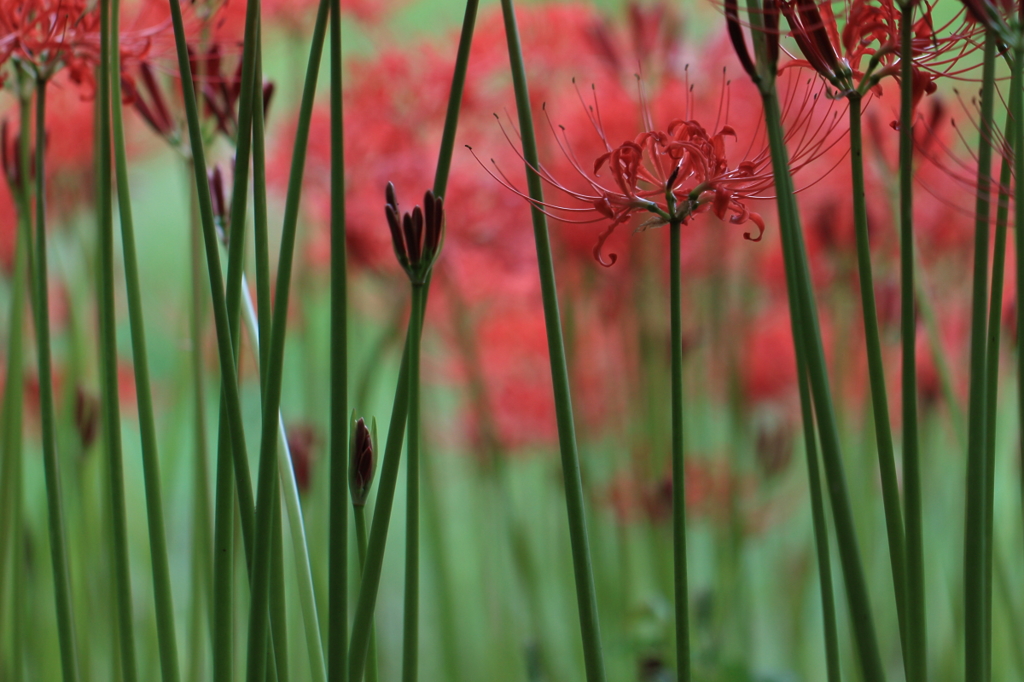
362 464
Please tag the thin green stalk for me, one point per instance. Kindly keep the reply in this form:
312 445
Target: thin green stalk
267 480
290 492
584 573
995 328
828 606
337 627
916 653
372 675
977 566
682 595
13 399
370 581
232 404
278 607
261 241
223 559
147 424
58 546
876 372
451 117
202 546
410 638
108 359
1017 106
801 294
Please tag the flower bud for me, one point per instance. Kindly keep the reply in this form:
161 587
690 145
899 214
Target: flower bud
361 464
417 236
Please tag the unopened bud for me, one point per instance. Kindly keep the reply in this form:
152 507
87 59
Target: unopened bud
417 236
220 214
361 464
86 417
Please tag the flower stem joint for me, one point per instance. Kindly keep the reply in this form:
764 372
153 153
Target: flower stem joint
765 34
361 464
417 236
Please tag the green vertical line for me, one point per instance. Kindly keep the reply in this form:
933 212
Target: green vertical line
977 568
583 571
876 372
267 479
58 546
410 635
917 637
108 359
337 627
682 596
164 599
795 257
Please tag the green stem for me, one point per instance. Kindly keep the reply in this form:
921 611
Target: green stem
916 653
977 564
300 548
202 556
261 242
410 639
362 624
223 558
231 409
1017 106
278 607
876 372
337 627
995 328
584 573
801 294
108 358
147 424
13 401
267 480
828 606
682 596
372 674
451 118
58 546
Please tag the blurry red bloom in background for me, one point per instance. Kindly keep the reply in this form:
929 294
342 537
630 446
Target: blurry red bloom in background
683 170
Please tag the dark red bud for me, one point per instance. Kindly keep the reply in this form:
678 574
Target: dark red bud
362 464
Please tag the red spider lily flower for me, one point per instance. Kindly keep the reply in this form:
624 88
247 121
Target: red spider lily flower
219 88
682 171
48 35
871 32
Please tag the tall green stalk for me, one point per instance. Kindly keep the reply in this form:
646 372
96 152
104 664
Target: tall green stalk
108 359
202 545
337 626
584 573
362 624
267 481
1017 105
362 628
809 336
58 545
682 596
876 372
147 423
977 564
995 328
916 651
359 512
13 400
820 522
410 620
